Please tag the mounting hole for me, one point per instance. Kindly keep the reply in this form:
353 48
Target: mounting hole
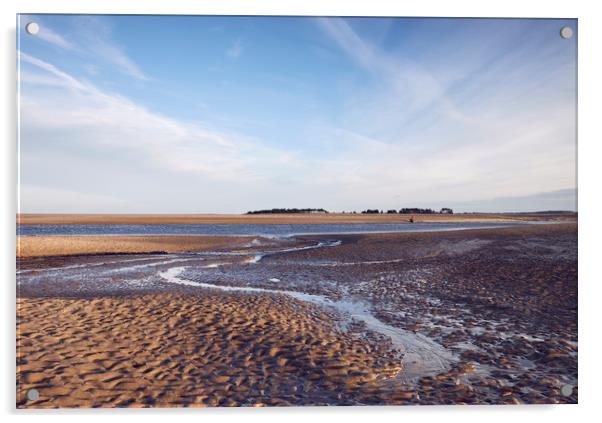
566 32
33 394
32 28
566 390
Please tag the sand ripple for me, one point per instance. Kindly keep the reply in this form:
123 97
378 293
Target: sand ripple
192 350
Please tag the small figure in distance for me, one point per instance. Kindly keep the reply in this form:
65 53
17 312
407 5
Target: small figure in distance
411 219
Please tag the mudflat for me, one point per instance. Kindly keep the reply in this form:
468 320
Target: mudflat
485 316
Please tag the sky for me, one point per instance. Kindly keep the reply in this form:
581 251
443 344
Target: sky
185 114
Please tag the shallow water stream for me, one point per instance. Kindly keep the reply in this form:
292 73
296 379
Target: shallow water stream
421 355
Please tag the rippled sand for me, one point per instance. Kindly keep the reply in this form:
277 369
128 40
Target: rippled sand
170 350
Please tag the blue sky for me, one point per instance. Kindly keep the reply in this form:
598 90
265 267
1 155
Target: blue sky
183 114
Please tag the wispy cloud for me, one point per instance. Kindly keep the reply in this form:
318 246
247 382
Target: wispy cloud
62 77
515 140
352 44
111 121
54 38
117 57
92 38
96 35
410 84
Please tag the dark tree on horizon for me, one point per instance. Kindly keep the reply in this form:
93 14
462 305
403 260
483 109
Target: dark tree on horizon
416 210
286 211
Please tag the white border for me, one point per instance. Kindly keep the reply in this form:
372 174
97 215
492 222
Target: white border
590 206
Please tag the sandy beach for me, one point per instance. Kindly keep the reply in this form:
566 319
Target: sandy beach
189 350
57 245
483 316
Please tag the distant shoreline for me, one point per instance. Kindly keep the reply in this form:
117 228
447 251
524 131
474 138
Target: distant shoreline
70 245
300 218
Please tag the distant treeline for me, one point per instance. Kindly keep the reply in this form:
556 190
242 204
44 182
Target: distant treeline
444 210
275 211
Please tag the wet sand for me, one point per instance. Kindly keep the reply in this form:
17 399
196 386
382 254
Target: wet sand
176 350
500 303
302 218
62 245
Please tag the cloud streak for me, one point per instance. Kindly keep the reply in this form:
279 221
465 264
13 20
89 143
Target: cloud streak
92 37
409 86
111 121
96 35
54 38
